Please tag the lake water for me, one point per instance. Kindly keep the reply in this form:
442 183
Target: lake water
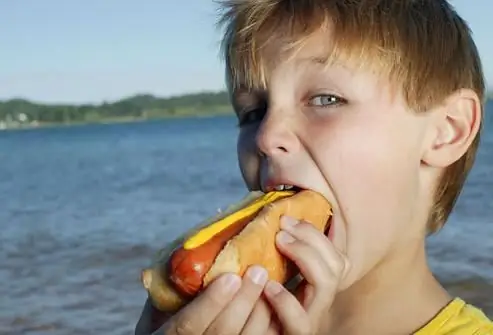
84 208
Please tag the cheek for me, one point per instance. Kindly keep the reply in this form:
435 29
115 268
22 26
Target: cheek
247 157
371 166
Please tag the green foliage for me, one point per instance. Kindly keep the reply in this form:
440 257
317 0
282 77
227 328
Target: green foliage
19 111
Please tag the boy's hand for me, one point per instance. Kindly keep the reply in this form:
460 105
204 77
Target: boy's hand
321 265
230 305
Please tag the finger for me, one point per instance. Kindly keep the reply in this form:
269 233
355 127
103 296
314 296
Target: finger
307 233
259 320
291 314
232 319
312 266
323 281
195 317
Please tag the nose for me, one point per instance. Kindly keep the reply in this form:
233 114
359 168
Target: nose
276 136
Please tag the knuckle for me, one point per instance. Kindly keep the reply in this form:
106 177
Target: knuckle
338 265
283 298
298 248
347 266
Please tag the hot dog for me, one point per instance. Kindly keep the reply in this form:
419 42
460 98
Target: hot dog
242 236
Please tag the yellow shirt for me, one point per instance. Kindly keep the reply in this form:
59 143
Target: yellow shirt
458 318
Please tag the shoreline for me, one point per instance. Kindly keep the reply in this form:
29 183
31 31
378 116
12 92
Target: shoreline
115 120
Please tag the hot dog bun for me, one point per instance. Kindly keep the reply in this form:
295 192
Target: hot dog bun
253 243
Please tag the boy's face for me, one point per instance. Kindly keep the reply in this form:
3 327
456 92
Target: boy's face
343 133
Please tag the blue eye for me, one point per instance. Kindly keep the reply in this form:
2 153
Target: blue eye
326 100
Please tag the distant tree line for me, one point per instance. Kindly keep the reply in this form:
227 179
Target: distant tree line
136 107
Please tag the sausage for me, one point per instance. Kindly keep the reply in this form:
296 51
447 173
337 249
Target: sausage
189 267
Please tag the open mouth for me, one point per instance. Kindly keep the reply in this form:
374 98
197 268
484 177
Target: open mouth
283 187
287 188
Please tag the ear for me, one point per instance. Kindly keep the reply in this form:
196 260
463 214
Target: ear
455 126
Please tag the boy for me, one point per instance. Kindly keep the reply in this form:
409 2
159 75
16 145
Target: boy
377 105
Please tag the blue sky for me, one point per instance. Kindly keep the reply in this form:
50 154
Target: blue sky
95 50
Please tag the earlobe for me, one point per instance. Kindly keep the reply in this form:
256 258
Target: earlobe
456 125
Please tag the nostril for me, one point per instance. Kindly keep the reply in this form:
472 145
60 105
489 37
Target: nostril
279 149
283 149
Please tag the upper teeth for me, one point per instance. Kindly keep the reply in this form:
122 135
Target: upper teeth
283 187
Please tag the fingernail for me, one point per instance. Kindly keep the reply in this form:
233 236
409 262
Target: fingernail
272 288
230 283
284 237
257 274
287 222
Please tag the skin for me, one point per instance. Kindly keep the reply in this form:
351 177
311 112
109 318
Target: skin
351 136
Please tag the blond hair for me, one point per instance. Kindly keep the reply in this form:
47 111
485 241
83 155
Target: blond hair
423 46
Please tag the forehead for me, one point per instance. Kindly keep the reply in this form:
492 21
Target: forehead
252 69
312 64
315 48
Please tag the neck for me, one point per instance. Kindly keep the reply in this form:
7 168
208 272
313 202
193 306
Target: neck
390 304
